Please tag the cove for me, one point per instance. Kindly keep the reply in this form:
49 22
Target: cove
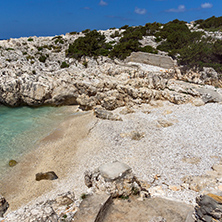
21 128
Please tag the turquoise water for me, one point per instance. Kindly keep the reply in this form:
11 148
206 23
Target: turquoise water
21 128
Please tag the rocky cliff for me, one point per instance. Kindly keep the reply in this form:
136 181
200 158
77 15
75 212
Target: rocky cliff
35 71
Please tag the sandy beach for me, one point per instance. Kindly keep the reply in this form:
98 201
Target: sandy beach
56 152
84 142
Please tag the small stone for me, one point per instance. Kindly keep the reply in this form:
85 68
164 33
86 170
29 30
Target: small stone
195 187
217 168
156 191
46 176
198 102
137 135
175 187
185 186
12 163
164 123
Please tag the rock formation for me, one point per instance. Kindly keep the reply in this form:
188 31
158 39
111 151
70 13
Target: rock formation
32 74
4 205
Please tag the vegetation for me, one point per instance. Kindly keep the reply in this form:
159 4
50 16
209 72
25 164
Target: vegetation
191 49
212 24
92 44
73 33
64 65
43 58
30 39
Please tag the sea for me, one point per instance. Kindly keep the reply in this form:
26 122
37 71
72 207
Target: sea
21 129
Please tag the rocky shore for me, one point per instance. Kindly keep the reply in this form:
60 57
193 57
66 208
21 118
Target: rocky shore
166 126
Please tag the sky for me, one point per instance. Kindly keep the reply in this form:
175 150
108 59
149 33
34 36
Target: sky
23 18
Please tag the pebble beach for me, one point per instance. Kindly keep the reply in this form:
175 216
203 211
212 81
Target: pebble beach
84 143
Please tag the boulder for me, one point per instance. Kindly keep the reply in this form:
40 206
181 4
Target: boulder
4 205
46 176
115 179
209 208
104 114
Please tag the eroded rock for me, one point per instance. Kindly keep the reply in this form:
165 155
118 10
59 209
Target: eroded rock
104 114
116 179
4 205
46 176
209 208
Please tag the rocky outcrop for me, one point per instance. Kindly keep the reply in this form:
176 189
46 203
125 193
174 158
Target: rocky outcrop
207 76
104 114
63 207
151 59
115 179
4 205
25 79
209 208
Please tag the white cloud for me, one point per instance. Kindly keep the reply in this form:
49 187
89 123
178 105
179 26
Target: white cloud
103 3
181 8
206 5
140 11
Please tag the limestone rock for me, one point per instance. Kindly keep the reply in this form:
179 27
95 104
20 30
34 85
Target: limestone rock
46 176
209 208
115 179
164 123
114 171
199 183
4 205
104 114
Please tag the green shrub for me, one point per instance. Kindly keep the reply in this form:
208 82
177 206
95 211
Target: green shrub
123 49
64 65
86 31
124 27
29 57
212 24
42 58
204 53
115 34
9 49
73 33
92 44
30 39
85 63
149 49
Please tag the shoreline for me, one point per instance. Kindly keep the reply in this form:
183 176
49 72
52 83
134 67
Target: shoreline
189 146
19 186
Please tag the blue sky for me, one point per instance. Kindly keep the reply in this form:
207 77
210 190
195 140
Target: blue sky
53 17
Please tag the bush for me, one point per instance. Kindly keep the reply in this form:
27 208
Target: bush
204 53
86 31
64 65
92 44
149 49
42 58
115 34
212 23
30 39
73 33
123 49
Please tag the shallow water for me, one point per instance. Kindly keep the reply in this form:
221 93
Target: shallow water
21 128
